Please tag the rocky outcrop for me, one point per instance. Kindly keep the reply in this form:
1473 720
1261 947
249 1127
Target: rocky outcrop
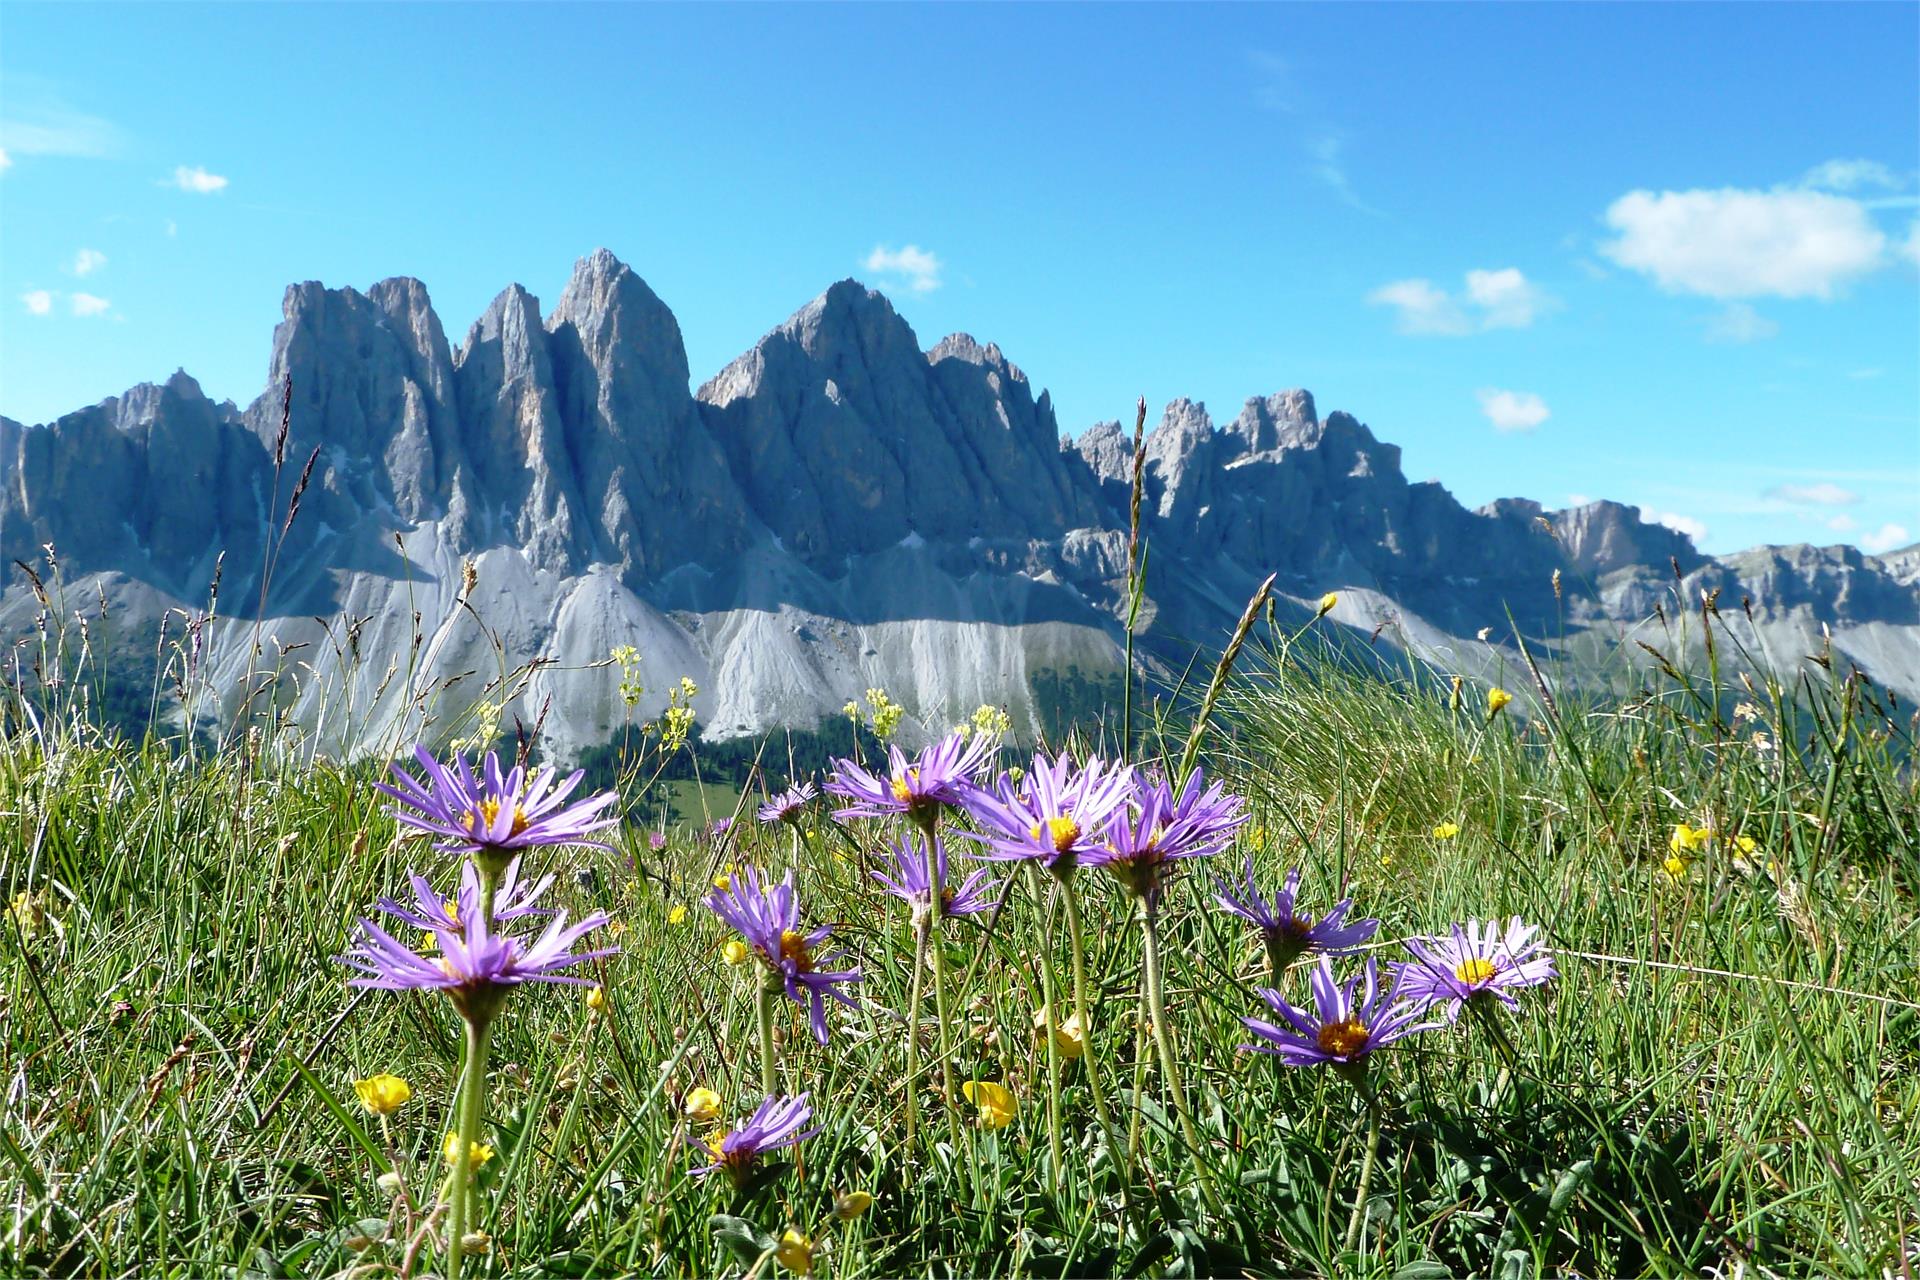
838 508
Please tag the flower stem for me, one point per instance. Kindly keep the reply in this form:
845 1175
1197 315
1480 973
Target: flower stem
934 915
769 1075
1053 1052
1359 1218
1163 1041
473 1106
1083 1009
915 995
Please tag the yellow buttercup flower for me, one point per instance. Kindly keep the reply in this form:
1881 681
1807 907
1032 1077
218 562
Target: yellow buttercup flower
795 1251
1496 700
1446 831
701 1104
848 1205
382 1094
677 914
480 1151
734 951
1069 1038
1327 602
993 1102
1746 844
1687 839
1674 868
597 999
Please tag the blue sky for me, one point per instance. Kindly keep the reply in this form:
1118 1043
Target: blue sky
1664 254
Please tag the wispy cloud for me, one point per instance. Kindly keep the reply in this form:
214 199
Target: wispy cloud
1740 323
36 121
1512 410
6 161
916 268
1502 299
38 302
196 180
1850 175
88 261
87 304
1278 89
1823 494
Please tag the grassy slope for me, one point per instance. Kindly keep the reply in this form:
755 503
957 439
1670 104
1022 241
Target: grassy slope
1660 1115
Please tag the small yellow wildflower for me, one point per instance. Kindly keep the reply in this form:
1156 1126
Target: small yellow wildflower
848 1205
724 881
28 913
597 999
615 928
795 1251
1327 602
1497 699
1069 1038
1446 831
701 1104
1686 839
1746 844
480 1151
1674 868
994 1103
383 1094
734 952
676 914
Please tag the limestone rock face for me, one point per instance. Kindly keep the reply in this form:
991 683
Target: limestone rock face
839 508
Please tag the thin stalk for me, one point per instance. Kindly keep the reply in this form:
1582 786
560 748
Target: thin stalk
934 916
769 1075
1053 1053
1163 1041
1083 1008
473 1106
915 995
1359 1218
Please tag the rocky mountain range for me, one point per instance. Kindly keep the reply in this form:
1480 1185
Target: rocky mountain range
837 509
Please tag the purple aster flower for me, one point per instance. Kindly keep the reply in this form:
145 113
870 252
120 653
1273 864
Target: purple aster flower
491 815
787 806
939 776
1291 933
1347 1023
476 967
1145 840
656 840
1475 960
720 827
1056 813
775 1123
768 917
511 899
909 880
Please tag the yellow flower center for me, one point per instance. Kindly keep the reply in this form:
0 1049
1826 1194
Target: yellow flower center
793 946
482 819
1475 970
1344 1038
1062 832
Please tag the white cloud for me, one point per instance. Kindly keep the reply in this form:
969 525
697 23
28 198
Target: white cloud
39 124
86 304
1512 410
1740 323
917 268
38 301
1887 537
88 261
1578 499
196 180
1509 299
1840 523
1503 299
1423 308
1849 175
1682 524
1824 494
6 161
1910 247
1733 243
173 228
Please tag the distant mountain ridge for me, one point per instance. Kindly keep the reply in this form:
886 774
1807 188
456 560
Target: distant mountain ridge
835 510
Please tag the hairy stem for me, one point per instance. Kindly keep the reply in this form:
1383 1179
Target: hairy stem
473 1106
1083 1009
1359 1218
1163 1041
769 1074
